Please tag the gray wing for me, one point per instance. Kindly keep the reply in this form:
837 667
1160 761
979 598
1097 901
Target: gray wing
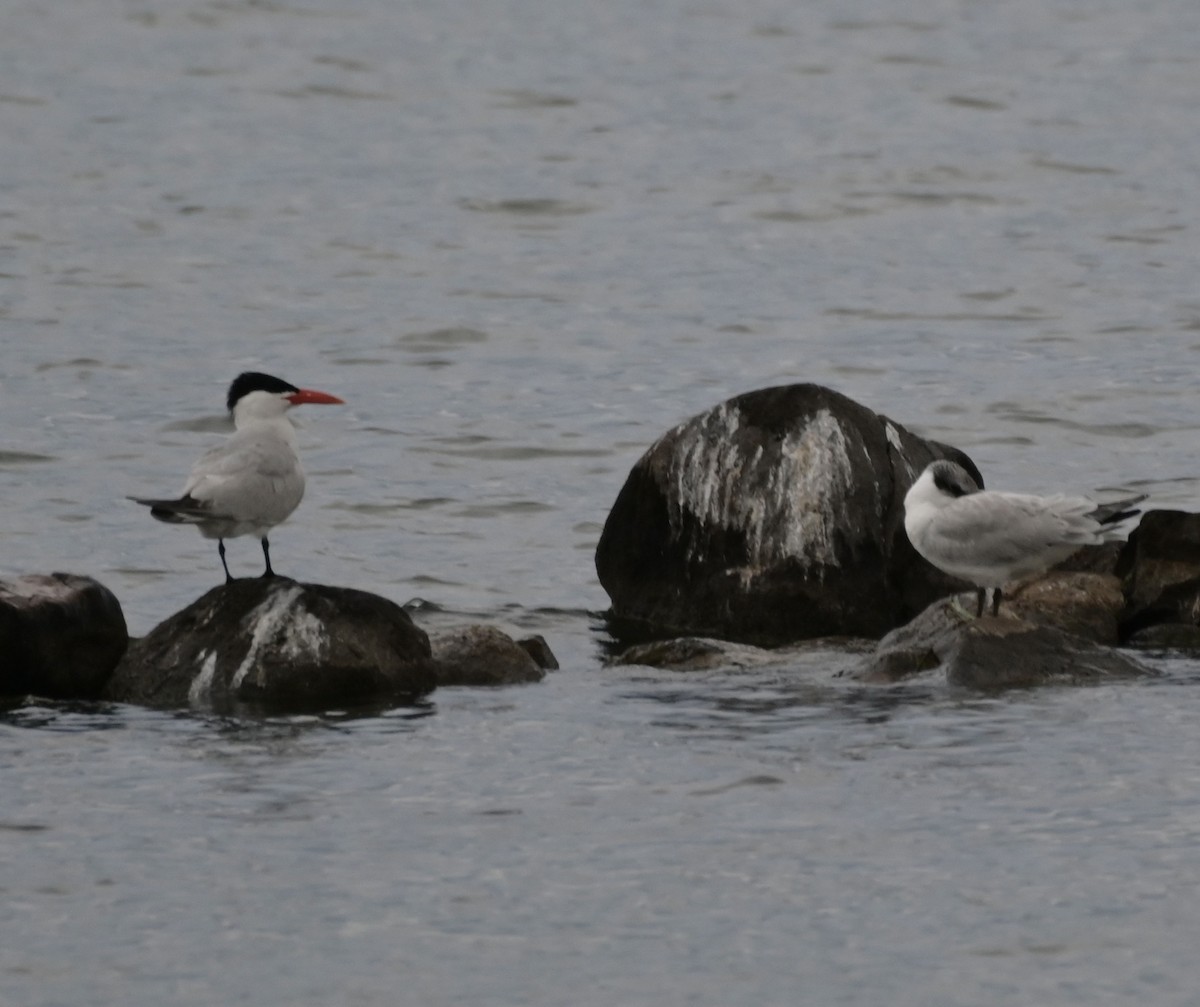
1003 528
252 475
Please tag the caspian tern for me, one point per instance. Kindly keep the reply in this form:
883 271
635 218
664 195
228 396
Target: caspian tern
254 480
990 538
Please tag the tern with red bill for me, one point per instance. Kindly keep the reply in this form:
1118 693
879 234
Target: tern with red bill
254 480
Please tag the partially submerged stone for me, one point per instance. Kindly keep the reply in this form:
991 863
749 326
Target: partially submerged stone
537 648
483 655
61 636
991 653
1167 636
776 516
280 645
693 653
690 653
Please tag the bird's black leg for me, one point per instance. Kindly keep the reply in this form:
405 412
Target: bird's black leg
981 595
267 556
996 595
221 550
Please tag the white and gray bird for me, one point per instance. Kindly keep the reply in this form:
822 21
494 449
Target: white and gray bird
990 539
254 480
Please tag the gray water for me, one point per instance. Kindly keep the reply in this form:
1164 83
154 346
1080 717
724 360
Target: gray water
522 239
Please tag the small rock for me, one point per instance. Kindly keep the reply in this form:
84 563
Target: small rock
537 648
1167 636
279 645
685 653
691 653
993 652
61 636
483 655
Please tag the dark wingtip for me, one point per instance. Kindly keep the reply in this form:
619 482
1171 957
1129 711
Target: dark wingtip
1119 510
1121 515
174 511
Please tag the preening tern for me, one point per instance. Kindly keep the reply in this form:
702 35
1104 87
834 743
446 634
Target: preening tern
991 538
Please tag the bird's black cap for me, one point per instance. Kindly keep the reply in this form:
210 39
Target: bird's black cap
952 479
255 381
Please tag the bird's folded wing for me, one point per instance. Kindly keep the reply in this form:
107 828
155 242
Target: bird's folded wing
248 451
250 458
1005 527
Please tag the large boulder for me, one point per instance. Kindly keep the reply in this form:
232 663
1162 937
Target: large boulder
991 653
276 644
774 517
61 636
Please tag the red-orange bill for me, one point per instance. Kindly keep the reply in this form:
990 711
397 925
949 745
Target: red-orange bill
313 397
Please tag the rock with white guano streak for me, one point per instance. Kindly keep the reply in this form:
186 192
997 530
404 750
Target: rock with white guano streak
775 516
276 644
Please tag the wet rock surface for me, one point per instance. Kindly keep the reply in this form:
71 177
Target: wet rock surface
279 645
992 653
537 648
1161 570
483 655
1087 605
692 653
61 636
776 516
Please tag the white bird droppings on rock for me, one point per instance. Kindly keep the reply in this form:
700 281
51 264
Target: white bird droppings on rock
202 683
799 503
893 436
296 633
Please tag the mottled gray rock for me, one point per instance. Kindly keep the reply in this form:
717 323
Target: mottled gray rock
279 645
993 652
483 655
61 636
776 516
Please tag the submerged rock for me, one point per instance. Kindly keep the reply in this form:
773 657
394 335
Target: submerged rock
991 653
776 516
281 645
483 655
61 636
693 653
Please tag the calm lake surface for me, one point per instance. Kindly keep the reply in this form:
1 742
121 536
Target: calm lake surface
521 239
